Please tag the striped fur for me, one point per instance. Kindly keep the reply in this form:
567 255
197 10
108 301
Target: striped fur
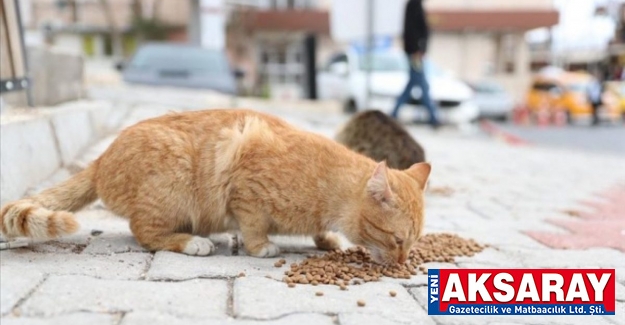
48 214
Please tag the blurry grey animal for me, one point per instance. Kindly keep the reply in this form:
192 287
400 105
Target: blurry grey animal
379 137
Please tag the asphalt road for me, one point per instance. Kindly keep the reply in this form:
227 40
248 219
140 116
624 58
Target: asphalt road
603 138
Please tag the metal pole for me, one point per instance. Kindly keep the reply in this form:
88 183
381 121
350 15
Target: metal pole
194 26
369 51
26 81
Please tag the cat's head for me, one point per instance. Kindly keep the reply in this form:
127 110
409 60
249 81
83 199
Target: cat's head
390 215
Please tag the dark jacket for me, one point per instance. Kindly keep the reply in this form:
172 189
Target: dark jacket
416 29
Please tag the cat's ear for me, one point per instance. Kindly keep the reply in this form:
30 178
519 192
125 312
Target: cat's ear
378 186
420 172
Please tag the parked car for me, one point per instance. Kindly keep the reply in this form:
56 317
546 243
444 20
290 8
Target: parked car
492 100
344 78
615 90
567 91
179 65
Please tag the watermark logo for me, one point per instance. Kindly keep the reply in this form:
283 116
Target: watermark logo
521 292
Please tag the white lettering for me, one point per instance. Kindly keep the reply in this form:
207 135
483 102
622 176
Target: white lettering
577 282
599 286
477 285
503 286
556 288
527 288
453 289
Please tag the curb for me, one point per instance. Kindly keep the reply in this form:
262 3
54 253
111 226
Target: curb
495 131
36 143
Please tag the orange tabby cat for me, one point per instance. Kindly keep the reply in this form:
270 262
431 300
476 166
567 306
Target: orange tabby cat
183 176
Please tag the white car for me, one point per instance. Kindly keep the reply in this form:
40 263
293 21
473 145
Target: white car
344 78
492 100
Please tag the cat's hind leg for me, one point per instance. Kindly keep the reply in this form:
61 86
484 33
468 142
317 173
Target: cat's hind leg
157 236
327 241
254 229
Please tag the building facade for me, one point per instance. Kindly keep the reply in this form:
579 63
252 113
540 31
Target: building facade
476 39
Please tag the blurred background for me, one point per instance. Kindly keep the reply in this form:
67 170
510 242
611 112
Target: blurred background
530 67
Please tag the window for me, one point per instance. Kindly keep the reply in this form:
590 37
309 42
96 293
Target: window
341 57
292 4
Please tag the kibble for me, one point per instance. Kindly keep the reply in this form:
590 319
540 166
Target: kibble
361 303
277 264
318 293
355 265
392 293
242 274
291 285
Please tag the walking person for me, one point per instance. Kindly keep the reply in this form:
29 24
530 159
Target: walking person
416 34
595 92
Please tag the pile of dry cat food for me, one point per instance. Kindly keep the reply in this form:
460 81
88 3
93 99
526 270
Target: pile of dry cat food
355 266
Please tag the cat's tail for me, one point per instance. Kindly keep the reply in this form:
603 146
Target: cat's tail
49 214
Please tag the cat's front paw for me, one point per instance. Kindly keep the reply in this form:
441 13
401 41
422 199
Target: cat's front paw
199 246
268 250
327 241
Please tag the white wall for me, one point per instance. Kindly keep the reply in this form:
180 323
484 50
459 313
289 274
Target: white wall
71 43
474 4
466 54
489 4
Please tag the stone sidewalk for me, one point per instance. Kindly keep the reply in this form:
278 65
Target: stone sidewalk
480 188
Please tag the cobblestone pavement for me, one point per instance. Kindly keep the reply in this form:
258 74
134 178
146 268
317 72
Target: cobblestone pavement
480 188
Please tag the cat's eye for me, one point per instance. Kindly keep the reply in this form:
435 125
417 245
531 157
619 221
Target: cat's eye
399 241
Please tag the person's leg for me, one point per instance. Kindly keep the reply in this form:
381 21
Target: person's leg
595 113
405 95
422 82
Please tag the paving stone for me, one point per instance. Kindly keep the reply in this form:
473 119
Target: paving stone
91 219
421 295
434 225
98 218
56 178
173 266
596 257
489 209
359 319
164 319
262 298
620 290
620 275
488 225
15 284
71 319
493 257
497 238
66 294
107 233
112 243
117 266
618 318
168 265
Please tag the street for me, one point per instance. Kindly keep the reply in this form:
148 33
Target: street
608 139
